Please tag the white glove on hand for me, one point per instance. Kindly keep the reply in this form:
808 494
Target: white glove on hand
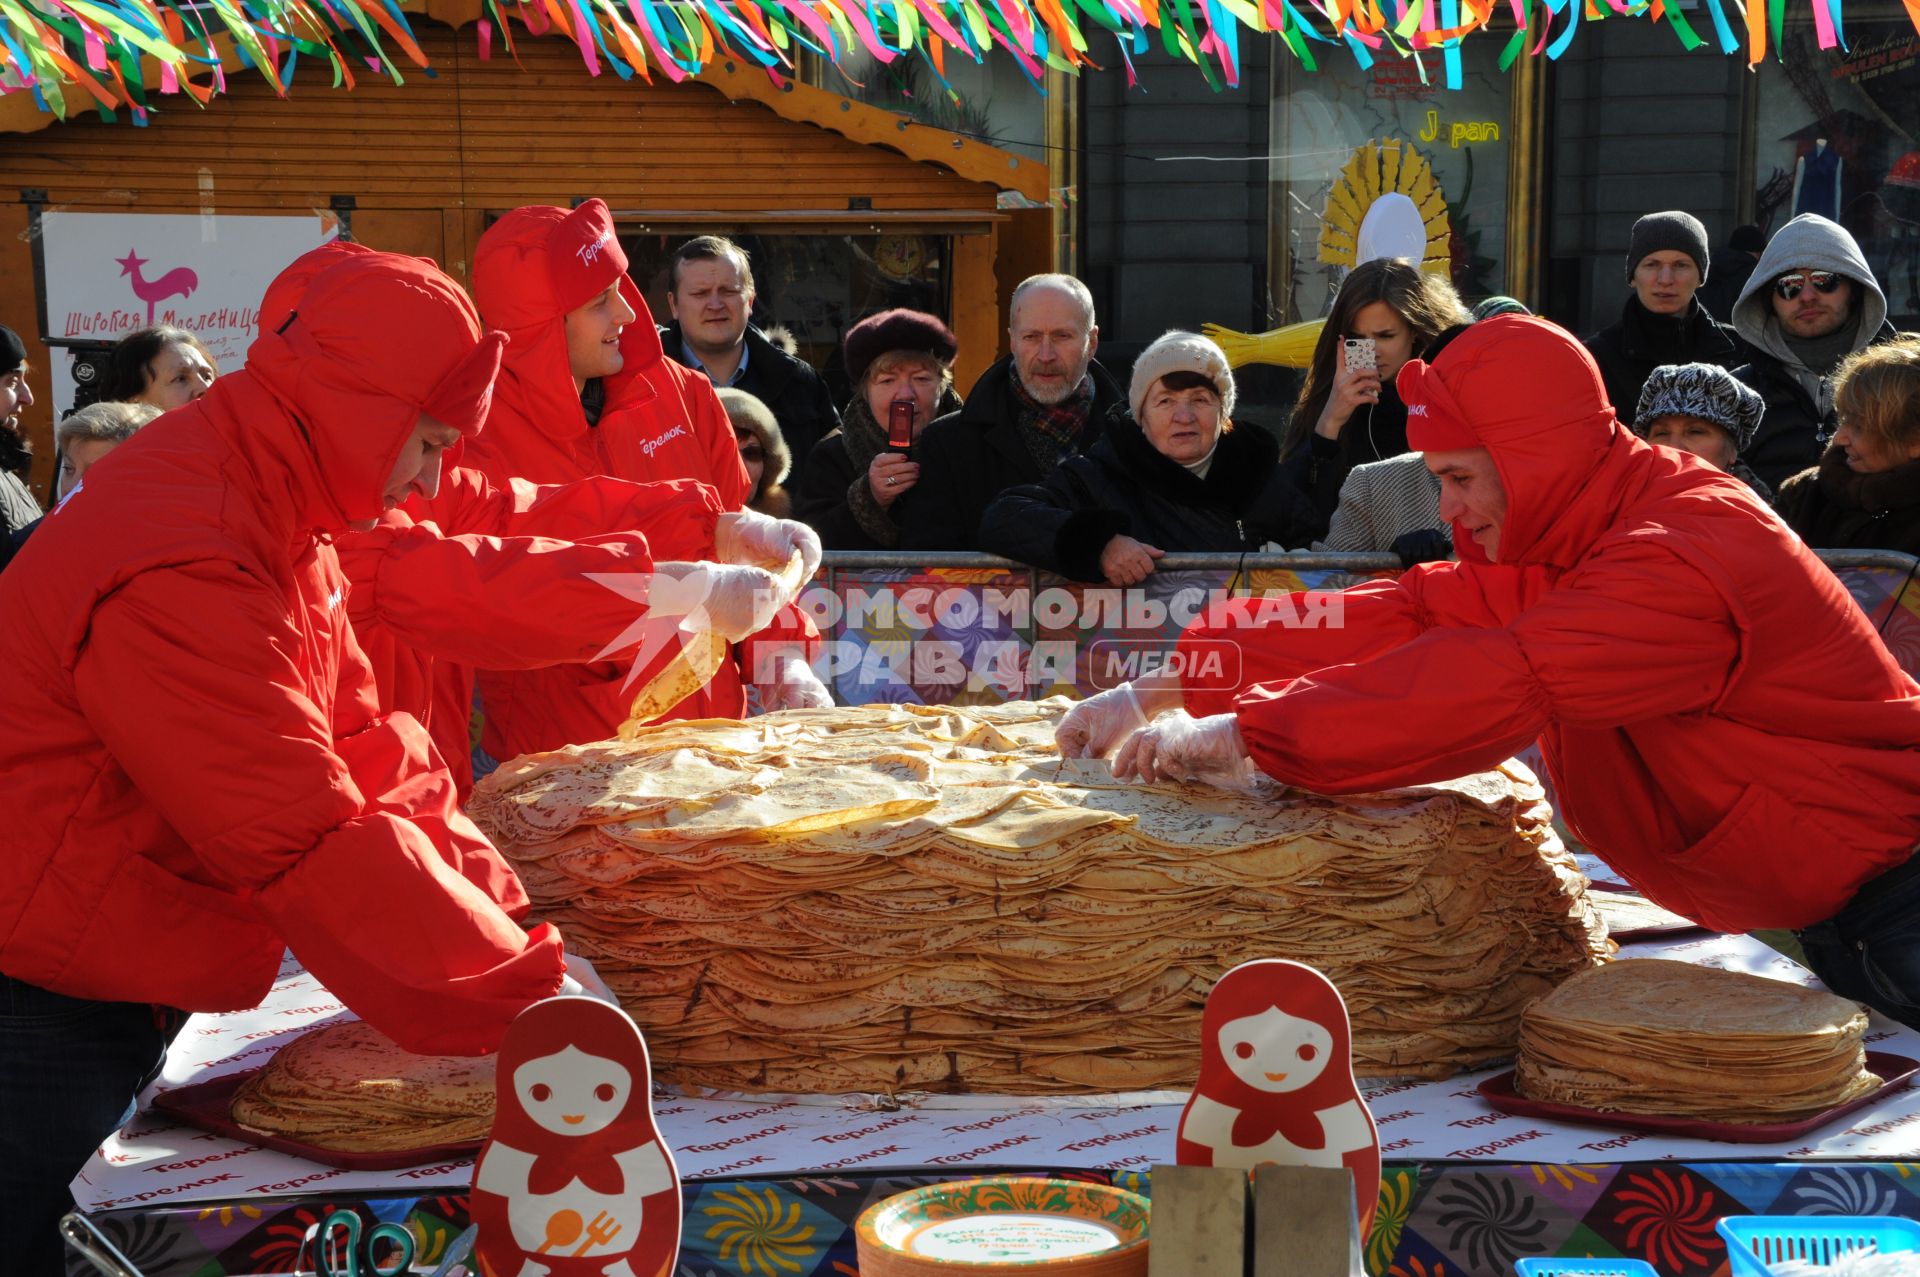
794 686
582 980
747 536
1178 746
1095 727
730 599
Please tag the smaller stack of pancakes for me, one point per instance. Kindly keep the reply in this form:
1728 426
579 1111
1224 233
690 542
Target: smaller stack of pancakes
1673 1039
348 1087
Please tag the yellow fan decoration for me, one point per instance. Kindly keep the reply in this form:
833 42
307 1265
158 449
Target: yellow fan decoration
1289 347
1378 168
1385 203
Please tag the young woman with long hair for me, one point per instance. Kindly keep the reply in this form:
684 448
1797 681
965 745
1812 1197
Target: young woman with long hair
1346 417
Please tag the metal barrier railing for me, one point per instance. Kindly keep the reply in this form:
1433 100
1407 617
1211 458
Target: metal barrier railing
906 560
878 648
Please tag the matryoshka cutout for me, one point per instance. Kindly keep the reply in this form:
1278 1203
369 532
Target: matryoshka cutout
1276 1080
575 1179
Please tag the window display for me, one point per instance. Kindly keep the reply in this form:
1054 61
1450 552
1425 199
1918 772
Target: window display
1327 123
815 286
1835 136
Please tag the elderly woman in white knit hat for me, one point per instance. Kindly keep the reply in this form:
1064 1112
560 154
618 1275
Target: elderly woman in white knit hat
1702 409
1171 475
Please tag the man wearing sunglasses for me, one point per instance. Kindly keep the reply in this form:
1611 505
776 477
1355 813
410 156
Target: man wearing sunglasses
1811 302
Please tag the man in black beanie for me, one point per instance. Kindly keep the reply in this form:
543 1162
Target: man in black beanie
1663 321
17 506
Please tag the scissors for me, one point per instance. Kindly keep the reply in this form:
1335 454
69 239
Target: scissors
333 1259
93 1246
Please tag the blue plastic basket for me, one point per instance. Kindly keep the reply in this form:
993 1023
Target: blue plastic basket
1755 1242
1584 1267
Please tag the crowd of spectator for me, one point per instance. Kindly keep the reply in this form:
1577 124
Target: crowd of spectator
1770 359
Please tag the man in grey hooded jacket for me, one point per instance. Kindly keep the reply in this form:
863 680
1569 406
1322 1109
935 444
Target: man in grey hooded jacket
1811 302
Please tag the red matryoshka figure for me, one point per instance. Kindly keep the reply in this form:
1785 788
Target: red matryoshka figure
1276 1080
575 1179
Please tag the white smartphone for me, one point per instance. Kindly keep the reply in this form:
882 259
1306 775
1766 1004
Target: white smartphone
1362 353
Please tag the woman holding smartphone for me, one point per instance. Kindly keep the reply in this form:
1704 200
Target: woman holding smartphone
1387 312
901 366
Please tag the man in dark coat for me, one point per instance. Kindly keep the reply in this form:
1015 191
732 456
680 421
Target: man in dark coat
1812 301
1173 476
1663 321
1044 402
711 293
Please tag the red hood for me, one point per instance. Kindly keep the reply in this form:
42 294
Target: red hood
373 342
289 287
530 269
1528 392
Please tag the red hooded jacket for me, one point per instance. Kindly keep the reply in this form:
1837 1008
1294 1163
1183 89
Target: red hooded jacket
661 421
193 764
502 578
1719 718
480 575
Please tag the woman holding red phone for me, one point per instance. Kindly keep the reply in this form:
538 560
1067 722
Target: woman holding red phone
1387 312
901 366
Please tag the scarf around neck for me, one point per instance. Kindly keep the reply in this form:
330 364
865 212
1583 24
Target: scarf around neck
1054 431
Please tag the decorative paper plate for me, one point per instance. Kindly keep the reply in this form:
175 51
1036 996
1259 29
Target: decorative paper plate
1896 1069
208 1105
1005 1224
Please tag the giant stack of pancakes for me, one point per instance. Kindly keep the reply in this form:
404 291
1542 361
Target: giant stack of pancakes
906 897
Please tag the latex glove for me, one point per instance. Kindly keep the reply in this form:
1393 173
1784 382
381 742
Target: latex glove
1427 545
747 536
732 600
1095 727
582 980
1178 746
794 686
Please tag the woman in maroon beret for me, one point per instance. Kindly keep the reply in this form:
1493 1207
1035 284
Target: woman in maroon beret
851 480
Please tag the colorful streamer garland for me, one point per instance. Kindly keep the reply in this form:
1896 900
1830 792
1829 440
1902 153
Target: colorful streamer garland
72 53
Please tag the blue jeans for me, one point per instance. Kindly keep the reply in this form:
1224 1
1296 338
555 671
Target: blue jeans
69 1072
1870 950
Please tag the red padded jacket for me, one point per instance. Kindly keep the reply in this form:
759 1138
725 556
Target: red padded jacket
193 762
1719 719
661 421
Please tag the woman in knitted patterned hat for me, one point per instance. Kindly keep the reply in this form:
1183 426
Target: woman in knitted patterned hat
851 480
1702 409
1171 476
1865 493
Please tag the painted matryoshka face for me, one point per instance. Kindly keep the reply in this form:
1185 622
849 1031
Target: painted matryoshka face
571 1092
1274 1051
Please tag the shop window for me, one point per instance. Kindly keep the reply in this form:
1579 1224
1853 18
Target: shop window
992 100
1833 135
1470 140
816 286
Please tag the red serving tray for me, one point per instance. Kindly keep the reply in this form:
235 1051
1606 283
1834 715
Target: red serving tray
208 1105
1896 1069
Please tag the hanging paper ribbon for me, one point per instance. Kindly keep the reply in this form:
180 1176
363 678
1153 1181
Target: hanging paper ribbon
111 51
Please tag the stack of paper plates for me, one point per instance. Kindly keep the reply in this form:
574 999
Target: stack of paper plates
1006 1225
